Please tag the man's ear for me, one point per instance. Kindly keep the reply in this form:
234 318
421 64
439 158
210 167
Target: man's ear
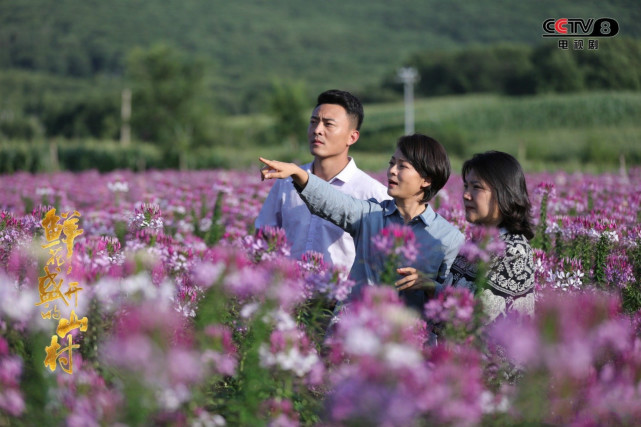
353 137
426 183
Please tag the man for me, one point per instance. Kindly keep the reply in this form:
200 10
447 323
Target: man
333 127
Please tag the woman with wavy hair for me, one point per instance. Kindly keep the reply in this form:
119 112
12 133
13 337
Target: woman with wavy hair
495 195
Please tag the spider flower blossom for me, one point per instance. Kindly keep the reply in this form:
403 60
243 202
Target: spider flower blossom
280 413
86 397
378 357
276 281
482 244
397 241
619 271
312 261
147 217
368 323
152 346
583 352
385 376
322 279
11 399
221 352
291 350
118 187
454 306
268 243
565 274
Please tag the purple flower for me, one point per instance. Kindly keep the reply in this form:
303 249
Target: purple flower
397 241
152 345
280 413
618 270
147 217
454 306
312 261
86 397
482 244
383 375
11 399
331 282
269 243
289 350
12 402
583 352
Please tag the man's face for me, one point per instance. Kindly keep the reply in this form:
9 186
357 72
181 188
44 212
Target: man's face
330 131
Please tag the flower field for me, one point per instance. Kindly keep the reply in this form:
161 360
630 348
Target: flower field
149 299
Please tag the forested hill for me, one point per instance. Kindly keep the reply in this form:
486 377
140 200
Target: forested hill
343 43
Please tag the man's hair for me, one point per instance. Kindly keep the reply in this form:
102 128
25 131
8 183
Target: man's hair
430 160
349 102
503 173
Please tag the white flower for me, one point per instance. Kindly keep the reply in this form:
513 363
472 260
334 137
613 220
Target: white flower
44 191
180 210
401 355
118 187
489 406
360 340
185 226
172 397
552 228
205 419
291 360
612 236
248 310
204 224
15 302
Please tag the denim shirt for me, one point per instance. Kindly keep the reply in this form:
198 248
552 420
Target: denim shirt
438 240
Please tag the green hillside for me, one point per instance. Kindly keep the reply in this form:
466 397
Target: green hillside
555 131
248 43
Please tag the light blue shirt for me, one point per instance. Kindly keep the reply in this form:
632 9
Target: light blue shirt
438 240
284 208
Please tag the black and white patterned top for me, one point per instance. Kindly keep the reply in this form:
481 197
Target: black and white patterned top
510 278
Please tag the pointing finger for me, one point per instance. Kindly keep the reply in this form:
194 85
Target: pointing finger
270 163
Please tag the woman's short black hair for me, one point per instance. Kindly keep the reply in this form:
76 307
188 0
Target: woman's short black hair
503 173
430 160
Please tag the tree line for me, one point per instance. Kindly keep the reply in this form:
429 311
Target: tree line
172 105
607 64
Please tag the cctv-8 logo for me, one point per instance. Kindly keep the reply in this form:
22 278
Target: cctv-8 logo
605 27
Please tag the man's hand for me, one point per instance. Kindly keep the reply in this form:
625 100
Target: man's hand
275 169
414 280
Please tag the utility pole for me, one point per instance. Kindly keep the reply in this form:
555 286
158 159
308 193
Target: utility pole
408 76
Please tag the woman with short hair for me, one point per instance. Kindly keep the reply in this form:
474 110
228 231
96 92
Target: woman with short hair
418 169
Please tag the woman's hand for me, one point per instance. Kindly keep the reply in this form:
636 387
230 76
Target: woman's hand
414 280
275 169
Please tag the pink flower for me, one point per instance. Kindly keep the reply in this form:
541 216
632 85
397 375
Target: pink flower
454 306
482 244
268 243
147 217
619 271
397 241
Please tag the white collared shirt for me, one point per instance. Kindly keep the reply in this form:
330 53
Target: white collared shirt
284 208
